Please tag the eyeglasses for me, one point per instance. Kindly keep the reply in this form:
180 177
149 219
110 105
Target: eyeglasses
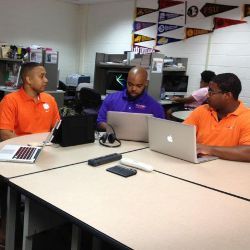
212 92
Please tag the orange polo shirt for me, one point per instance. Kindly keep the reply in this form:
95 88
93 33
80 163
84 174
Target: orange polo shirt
232 130
21 114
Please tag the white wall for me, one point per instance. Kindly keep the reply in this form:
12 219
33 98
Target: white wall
230 50
48 23
108 29
79 32
109 26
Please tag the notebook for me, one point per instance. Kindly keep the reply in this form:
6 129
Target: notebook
129 126
24 153
175 139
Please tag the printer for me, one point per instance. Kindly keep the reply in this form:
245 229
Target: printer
73 80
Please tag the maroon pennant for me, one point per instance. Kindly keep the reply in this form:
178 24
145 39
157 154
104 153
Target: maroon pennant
224 22
144 11
210 9
168 3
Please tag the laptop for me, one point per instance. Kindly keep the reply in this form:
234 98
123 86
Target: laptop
175 139
24 153
129 126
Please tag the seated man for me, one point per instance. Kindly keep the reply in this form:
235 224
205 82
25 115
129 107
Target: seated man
197 98
223 127
134 99
28 110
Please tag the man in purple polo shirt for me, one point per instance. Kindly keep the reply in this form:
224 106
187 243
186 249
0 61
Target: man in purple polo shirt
133 99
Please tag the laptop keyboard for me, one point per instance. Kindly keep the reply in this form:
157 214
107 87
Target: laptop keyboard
24 153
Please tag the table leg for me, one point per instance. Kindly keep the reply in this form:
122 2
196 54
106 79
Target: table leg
11 218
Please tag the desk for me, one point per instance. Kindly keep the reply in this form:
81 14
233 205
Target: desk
146 211
227 176
181 115
165 102
53 157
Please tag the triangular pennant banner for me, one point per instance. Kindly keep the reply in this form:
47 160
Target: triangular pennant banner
142 25
210 9
224 22
167 15
162 28
246 10
166 3
141 38
161 40
144 11
190 32
143 50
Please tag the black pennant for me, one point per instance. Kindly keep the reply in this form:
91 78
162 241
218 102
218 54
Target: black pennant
210 9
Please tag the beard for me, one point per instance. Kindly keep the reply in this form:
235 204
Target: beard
132 98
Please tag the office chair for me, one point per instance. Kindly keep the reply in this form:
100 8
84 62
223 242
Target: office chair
88 102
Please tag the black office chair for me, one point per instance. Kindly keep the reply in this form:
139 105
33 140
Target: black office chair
88 102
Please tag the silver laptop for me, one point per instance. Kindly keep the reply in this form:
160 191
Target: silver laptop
175 139
129 126
24 153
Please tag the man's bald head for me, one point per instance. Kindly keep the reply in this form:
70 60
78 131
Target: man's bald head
137 81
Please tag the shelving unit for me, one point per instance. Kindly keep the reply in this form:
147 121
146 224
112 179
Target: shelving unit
8 65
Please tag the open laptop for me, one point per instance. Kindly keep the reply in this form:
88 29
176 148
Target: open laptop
174 139
129 126
24 153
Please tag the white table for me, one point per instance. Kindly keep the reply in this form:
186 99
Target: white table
51 157
56 156
182 115
146 211
228 176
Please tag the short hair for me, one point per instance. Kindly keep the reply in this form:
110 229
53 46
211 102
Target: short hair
27 67
207 75
229 82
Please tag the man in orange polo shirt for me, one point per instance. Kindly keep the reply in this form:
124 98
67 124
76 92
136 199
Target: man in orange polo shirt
28 110
223 125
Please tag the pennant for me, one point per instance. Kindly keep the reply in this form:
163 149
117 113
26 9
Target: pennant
210 9
142 25
166 3
246 10
143 50
190 32
167 15
161 40
224 22
144 11
162 28
141 38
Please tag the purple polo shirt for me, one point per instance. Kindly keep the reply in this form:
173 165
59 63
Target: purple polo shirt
119 101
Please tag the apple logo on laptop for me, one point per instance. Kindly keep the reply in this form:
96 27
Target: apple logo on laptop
170 138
